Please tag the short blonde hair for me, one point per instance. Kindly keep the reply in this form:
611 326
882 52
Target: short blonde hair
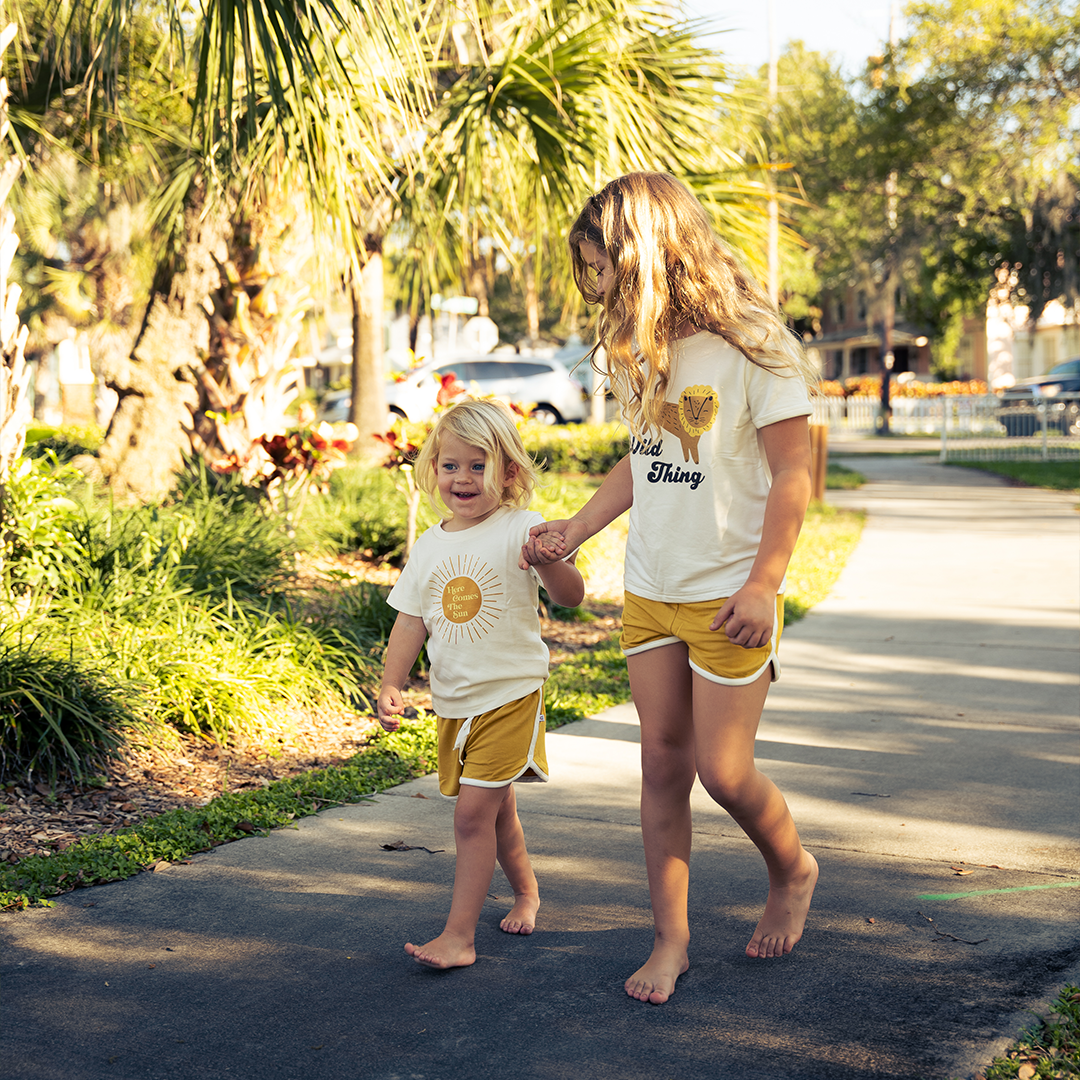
671 272
489 426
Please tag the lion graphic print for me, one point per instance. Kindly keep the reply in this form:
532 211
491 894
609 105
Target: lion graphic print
700 483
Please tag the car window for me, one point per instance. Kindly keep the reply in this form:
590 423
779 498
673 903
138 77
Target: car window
1069 367
533 369
493 369
463 372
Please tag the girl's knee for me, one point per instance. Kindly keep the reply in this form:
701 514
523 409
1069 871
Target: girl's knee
732 788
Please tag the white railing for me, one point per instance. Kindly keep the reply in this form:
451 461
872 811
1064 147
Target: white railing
979 427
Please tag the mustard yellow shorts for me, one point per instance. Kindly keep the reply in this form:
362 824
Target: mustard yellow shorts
649 624
495 748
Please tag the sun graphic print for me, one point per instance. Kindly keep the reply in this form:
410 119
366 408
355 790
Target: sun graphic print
466 594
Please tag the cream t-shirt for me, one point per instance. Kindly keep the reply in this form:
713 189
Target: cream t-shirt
480 611
700 486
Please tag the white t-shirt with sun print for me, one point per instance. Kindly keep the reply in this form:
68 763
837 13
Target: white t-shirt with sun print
480 611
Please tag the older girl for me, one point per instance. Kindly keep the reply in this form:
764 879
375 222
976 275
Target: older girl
713 387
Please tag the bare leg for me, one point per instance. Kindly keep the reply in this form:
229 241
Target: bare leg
726 720
514 860
660 680
475 815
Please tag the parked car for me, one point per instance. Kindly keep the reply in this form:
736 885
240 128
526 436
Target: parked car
1055 395
556 397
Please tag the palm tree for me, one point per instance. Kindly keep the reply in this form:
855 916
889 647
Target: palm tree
452 119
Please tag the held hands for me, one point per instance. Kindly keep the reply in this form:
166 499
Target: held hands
749 615
546 544
391 706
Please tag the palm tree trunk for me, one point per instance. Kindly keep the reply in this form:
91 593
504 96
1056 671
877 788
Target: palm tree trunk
532 300
368 409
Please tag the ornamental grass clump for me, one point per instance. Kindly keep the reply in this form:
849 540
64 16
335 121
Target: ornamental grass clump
58 714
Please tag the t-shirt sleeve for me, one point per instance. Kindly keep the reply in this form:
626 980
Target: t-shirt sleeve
772 397
405 595
529 518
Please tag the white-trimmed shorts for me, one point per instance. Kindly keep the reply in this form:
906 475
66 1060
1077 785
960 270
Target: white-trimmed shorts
495 748
650 624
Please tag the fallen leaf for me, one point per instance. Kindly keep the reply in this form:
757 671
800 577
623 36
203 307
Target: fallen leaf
400 845
245 826
870 920
1026 1071
419 795
961 873
161 864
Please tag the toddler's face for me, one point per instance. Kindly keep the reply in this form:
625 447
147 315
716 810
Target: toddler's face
460 477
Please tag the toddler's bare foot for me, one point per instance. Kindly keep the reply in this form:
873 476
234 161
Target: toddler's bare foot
521 918
445 951
785 913
654 981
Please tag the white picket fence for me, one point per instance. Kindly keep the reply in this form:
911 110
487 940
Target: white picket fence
969 426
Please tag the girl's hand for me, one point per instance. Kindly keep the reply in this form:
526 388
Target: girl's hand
748 616
391 706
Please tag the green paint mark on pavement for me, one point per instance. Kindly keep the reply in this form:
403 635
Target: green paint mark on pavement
988 892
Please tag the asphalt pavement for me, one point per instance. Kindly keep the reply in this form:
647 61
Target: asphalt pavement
925 733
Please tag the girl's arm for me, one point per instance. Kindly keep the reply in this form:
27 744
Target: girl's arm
563 582
614 497
406 640
750 612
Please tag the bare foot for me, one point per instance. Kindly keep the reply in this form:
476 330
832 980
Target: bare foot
654 981
521 918
444 952
785 914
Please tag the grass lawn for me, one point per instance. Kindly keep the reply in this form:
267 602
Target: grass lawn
1057 475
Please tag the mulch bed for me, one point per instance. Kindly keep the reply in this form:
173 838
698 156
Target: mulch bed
148 781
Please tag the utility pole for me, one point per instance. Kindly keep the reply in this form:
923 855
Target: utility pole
888 321
774 206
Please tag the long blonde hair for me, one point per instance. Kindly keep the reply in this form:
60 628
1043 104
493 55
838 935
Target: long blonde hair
489 426
672 276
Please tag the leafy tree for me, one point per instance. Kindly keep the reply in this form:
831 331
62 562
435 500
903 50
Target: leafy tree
1013 73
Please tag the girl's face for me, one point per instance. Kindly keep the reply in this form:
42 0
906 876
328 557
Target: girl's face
460 478
597 260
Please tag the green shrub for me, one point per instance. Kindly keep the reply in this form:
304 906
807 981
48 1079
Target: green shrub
212 540
364 511
65 443
41 527
58 714
592 449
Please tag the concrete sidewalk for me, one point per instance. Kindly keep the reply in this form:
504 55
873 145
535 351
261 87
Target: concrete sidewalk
927 719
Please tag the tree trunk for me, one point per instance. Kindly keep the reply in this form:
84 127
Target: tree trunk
368 409
532 300
149 432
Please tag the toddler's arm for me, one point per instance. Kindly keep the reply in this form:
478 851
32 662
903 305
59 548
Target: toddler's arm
406 640
563 581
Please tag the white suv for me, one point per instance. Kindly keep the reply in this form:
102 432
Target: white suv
544 384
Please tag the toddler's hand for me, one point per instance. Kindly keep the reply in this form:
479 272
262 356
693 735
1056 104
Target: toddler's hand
546 548
391 706
546 544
